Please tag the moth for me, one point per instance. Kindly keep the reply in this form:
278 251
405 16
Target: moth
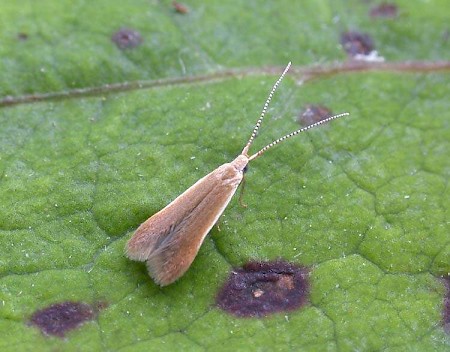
170 239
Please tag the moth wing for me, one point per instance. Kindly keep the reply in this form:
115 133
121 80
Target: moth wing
170 239
175 255
159 226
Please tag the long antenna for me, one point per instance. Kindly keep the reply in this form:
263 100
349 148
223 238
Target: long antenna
281 139
264 110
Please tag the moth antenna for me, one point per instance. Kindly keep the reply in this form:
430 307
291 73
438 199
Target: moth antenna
264 110
281 139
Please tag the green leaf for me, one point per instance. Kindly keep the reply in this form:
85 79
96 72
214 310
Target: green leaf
363 202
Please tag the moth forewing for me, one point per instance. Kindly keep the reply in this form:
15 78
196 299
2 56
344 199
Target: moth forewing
170 239
155 229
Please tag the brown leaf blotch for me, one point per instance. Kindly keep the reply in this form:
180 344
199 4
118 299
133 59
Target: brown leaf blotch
312 114
180 7
59 318
384 10
22 36
446 311
126 38
261 288
356 43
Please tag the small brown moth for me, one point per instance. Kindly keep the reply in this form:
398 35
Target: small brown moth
170 239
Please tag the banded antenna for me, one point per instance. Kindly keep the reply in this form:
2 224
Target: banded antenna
281 139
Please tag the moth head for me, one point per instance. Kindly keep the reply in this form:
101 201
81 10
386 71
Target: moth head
240 163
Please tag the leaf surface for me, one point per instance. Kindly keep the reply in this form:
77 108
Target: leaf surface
92 144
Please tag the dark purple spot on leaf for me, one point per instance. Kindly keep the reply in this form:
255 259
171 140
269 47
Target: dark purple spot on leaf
22 36
60 318
261 288
385 10
446 314
312 114
355 43
126 38
179 7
